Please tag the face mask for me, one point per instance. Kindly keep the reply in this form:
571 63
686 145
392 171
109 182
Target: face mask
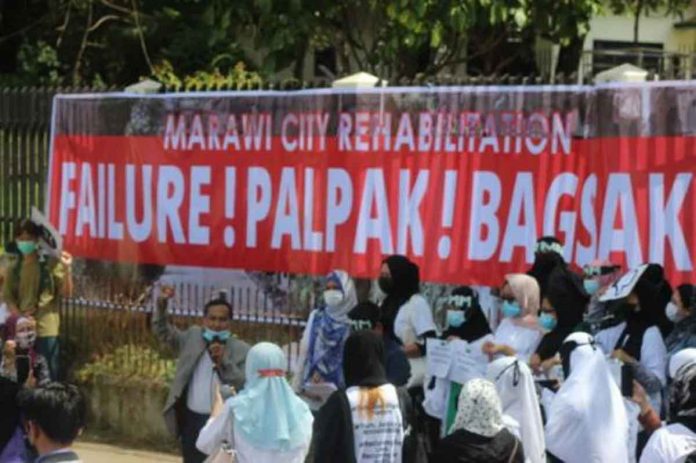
591 286
26 247
672 312
547 321
333 297
216 336
455 318
26 339
511 309
385 284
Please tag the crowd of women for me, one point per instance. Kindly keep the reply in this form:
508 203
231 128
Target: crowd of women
568 374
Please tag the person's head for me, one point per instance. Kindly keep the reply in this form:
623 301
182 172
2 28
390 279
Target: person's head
264 360
681 359
339 294
599 275
548 318
27 234
479 410
363 359
548 252
53 415
576 349
520 295
25 332
682 304
398 275
366 316
460 306
682 397
217 315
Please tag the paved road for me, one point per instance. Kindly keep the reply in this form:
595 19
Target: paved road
99 453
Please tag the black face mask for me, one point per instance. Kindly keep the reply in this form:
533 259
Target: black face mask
386 284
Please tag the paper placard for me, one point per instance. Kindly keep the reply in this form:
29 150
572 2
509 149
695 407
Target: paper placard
466 364
439 357
624 285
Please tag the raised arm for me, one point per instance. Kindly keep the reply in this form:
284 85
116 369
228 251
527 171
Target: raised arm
163 330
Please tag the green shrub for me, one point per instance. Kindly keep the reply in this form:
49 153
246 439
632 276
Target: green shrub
130 363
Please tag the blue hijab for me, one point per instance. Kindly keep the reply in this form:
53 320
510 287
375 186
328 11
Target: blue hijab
267 412
328 333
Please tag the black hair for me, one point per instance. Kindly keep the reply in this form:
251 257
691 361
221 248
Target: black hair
220 299
58 409
365 315
27 226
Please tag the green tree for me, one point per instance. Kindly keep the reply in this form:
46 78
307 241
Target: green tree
638 8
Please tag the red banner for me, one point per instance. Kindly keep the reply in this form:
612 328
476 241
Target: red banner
310 181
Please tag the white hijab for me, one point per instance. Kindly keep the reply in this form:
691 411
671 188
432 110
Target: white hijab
515 384
679 359
587 419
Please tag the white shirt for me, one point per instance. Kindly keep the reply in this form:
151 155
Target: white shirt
199 398
669 444
220 428
414 319
523 340
379 438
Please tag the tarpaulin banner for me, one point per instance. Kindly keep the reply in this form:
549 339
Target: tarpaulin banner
463 180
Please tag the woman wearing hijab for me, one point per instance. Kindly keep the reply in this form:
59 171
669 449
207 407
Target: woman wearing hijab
587 421
518 334
562 311
548 254
677 440
21 362
266 422
478 433
681 311
598 277
364 423
637 341
515 385
467 322
406 314
321 346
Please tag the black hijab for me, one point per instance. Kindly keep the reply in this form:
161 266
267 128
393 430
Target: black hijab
9 414
545 261
476 325
405 278
687 293
568 298
363 360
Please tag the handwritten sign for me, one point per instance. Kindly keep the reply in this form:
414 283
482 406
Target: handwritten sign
624 285
466 364
439 357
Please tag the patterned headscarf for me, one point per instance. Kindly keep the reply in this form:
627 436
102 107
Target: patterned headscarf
479 410
682 400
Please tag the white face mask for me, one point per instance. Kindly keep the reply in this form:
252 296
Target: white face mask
333 297
673 312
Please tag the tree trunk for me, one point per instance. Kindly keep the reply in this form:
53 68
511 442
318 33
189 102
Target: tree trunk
636 20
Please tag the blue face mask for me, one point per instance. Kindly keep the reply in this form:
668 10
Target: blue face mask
591 286
547 321
455 318
219 336
511 309
26 247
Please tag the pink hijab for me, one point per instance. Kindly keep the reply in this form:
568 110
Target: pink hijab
525 289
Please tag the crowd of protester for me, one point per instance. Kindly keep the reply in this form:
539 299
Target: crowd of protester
564 372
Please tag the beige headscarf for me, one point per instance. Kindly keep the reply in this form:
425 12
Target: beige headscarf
525 289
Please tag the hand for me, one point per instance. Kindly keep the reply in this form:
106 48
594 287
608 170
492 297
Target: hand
622 356
216 351
535 363
453 338
166 292
412 350
548 364
489 348
8 351
31 380
30 312
66 259
641 398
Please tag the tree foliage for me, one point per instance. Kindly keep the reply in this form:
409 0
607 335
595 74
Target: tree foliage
638 8
115 42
